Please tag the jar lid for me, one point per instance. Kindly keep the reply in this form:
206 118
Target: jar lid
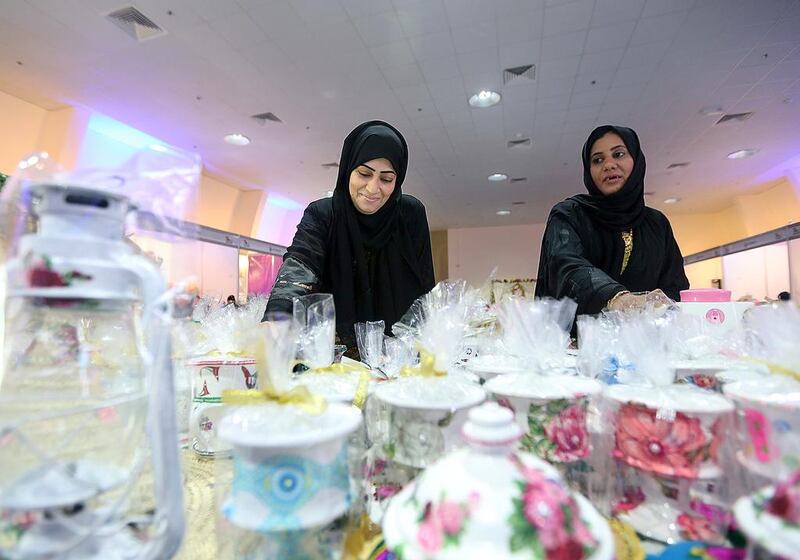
275 425
545 387
430 393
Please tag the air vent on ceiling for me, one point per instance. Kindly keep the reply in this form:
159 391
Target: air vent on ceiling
331 165
519 74
734 117
135 23
678 164
519 143
518 203
262 118
518 179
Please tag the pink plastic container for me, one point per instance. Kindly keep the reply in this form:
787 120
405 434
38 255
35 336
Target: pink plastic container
705 295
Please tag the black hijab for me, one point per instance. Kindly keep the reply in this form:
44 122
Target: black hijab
371 268
624 209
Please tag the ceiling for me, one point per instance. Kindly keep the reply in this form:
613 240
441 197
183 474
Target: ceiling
323 66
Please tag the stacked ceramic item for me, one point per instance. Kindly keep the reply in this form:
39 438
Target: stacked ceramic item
412 422
489 501
552 412
666 445
210 376
771 520
767 426
290 478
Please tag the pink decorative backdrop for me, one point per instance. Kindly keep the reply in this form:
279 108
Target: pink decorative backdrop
262 270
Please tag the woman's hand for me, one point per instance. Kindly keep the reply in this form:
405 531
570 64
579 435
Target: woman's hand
655 300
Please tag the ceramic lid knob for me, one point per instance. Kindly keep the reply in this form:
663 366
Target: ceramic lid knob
491 428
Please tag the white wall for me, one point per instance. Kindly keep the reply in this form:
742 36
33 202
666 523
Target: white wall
762 272
472 253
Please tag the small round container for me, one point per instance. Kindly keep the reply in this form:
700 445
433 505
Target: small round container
489 366
767 424
551 410
290 468
422 417
674 431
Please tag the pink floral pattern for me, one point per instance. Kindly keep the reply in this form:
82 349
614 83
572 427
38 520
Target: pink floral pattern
672 448
698 528
758 427
557 431
444 522
546 520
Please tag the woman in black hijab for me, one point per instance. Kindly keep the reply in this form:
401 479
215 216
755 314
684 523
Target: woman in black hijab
600 247
368 244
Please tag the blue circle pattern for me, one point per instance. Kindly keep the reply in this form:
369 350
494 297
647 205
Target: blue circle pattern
287 482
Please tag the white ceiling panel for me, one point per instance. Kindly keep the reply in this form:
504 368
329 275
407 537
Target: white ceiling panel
608 37
328 64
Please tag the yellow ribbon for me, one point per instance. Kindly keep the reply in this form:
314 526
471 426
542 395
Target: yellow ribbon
299 396
775 368
426 367
363 380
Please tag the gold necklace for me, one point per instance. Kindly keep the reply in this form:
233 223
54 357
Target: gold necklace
627 238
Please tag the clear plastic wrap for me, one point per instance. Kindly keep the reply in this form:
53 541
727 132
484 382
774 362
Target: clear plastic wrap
537 332
437 321
86 399
221 346
315 321
369 338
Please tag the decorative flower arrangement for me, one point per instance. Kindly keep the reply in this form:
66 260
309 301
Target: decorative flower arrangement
557 431
674 447
547 521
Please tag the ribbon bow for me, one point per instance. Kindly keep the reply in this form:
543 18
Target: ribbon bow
298 396
426 367
776 368
363 380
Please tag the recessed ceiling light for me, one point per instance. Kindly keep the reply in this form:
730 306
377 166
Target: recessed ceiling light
503 212
497 177
739 154
673 200
485 98
237 139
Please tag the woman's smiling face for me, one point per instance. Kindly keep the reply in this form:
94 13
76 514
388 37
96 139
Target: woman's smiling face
610 164
371 185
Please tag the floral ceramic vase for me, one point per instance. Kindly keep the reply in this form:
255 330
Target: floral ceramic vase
489 501
767 425
674 431
552 412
